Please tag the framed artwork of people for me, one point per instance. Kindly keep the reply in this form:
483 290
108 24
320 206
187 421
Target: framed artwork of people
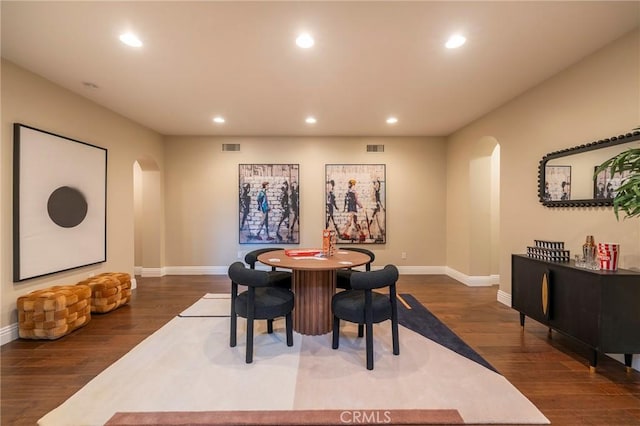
355 202
269 204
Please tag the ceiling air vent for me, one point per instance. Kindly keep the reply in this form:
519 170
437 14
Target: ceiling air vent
231 147
375 148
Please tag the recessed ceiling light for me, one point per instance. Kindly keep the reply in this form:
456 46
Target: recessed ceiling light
310 120
130 39
305 41
455 41
392 120
218 120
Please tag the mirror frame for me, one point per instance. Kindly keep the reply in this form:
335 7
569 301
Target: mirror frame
603 143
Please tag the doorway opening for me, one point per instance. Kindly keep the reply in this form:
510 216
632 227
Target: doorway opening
148 235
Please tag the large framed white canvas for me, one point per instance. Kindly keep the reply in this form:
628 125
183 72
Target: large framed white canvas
59 203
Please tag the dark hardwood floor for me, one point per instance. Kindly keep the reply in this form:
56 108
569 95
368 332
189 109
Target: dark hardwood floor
38 375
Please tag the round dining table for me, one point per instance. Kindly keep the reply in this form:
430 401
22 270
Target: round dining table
313 284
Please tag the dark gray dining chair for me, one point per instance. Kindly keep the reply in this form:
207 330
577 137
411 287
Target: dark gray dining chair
279 278
363 306
343 276
343 279
261 301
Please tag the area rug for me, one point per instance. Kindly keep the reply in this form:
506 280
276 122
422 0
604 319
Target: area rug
186 373
210 305
413 315
289 418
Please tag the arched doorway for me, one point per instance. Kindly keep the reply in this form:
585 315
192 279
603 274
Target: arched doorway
148 235
484 190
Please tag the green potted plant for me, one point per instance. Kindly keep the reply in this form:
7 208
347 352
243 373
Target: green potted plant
627 198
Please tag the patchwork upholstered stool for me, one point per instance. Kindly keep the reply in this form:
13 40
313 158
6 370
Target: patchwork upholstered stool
53 312
109 291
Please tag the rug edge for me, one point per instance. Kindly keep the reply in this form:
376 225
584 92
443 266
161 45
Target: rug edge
288 417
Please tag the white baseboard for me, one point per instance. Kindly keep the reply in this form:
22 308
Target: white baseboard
152 272
8 333
473 280
196 270
222 270
504 298
422 270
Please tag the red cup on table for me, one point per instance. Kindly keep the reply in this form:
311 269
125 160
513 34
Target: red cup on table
608 254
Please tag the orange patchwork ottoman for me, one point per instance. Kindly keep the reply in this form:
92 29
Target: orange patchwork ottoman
109 291
53 312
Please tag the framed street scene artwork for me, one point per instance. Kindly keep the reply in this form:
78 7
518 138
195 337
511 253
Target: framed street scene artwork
59 203
557 183
606 186
269 203
355 205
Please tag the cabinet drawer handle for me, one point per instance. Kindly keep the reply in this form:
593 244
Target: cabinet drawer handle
545 294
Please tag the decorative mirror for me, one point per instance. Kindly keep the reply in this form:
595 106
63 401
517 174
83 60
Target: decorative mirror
566 177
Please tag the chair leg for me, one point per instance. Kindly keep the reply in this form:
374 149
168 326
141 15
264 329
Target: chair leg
233 315
369 339
394 335
269 326
360 330
234 329
368 320
394 320
289 326
249 356
336 332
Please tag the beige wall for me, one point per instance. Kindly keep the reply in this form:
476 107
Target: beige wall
202 194
439 191
594 99
36 102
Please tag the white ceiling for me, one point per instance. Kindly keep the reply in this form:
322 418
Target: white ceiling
370 60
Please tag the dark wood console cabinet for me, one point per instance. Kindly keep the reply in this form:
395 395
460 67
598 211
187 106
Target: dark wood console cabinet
598 308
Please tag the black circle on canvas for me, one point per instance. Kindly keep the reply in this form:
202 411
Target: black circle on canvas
67 207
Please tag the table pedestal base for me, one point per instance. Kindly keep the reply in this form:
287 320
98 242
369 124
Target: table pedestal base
312 310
